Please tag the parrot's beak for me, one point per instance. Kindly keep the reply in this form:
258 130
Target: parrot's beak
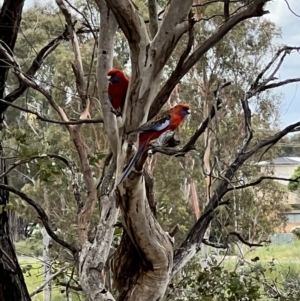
109 77
189 111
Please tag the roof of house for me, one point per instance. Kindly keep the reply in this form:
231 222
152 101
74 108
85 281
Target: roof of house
281 161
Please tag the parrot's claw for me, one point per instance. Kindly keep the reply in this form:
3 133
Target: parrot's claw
117 112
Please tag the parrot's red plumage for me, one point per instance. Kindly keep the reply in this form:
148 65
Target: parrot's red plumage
117 88
168 120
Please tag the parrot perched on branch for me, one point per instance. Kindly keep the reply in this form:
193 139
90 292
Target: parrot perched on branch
168 120
117 89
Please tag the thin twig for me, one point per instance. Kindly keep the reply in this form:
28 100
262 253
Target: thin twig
260 179
53 276
42 215
240 237
77 66
288 5
31 158
214 245
42 118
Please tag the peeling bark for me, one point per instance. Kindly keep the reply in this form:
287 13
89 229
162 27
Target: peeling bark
151 250
93 256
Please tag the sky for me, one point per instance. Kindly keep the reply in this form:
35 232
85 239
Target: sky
290 26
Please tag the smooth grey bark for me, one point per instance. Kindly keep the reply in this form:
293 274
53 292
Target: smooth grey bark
46 265
93 256
144 238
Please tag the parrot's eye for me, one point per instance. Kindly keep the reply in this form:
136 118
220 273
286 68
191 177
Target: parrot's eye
185 112
114 79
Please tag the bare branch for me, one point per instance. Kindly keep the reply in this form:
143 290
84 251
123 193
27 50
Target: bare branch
279 84
214 245
108 25
240 237
42 215
129 20
247 120
153 17
72 287
203 4
31 83
53 276
37 62
42 118
192 243
272 139
174 24
31 158
87 209
71 166
87 23
255 9
174 230
226 9
77 67
259 85
288 5
260 179
268 66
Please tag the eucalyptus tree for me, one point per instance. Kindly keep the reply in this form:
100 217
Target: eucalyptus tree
143 261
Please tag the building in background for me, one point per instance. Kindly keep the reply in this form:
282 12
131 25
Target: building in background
284 167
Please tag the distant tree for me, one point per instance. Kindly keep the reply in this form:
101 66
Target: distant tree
294 185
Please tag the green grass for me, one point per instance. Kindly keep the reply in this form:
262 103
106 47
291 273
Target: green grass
34 279
287 252
34 274
31 246
286 262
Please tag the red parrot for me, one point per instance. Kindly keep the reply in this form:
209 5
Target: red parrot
117 88
168 120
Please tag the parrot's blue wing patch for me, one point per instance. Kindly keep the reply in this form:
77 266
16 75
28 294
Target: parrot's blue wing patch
157 125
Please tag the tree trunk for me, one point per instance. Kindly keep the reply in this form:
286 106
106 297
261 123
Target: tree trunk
47 265
12 284
16 226
46 255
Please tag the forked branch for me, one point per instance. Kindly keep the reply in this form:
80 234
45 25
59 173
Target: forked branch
29 82
260 179
192 243
255 9
129 20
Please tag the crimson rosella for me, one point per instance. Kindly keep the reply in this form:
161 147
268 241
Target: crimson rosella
117 89
168 120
